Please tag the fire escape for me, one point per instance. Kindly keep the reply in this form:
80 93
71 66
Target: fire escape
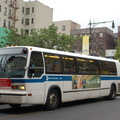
12 13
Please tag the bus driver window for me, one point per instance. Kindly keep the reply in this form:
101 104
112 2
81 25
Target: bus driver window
36 68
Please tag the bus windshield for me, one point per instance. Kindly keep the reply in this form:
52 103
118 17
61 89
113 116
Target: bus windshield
12 65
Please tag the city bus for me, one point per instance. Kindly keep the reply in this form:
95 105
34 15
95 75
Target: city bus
32 75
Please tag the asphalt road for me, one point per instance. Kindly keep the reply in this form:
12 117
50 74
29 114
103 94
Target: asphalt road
95 109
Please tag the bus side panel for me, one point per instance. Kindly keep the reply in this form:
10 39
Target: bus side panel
106 86
68 93
83 95
49 85
94 93
72 94
38 93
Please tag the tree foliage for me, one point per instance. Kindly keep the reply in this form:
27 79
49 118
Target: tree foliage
117 54
46 38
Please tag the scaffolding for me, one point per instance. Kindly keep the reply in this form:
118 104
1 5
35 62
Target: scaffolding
12 14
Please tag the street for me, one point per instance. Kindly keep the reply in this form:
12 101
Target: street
95 109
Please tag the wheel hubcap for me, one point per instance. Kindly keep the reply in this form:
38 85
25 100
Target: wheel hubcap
53 99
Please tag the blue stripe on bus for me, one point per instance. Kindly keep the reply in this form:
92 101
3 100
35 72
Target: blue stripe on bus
57 78
109 78
44 78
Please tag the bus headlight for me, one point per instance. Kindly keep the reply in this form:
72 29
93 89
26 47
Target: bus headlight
22 87
18 87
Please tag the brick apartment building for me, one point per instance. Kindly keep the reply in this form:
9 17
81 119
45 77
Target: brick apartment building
25 15
101 39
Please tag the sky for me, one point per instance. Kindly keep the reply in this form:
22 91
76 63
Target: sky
82 11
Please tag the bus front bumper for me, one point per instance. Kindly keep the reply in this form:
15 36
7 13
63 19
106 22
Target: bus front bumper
16 97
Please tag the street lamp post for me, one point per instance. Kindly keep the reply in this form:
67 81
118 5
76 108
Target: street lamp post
92 25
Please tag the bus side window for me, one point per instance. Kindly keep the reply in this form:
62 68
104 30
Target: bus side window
69 64
104 68
112 68
36 65
53 63
94 66
83 66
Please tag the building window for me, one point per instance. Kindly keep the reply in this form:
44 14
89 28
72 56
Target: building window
26 31
63 28
9 25
0 8
32 9
27 11
100 35
5 11
94 35
23 10
75 36
10 2
22 21
32 30
5 1
32 21
4 23
26 21
9 13
100 43
22 31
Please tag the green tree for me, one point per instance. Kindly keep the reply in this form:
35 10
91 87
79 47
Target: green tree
49 38
117 54
46 38
13 38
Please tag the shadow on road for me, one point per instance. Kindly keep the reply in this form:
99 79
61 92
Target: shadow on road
23 109
82 102
37 108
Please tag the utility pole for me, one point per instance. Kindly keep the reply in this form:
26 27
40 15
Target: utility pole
92 25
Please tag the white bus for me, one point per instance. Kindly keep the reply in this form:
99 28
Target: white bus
31 75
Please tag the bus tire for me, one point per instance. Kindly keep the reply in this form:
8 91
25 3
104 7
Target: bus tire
15 106
53 100
112 94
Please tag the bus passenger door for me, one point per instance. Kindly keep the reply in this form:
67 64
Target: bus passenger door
35 72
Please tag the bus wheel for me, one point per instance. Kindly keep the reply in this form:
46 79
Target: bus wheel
53 100
15 106
112 95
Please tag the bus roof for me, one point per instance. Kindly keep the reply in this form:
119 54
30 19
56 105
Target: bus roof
60 52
